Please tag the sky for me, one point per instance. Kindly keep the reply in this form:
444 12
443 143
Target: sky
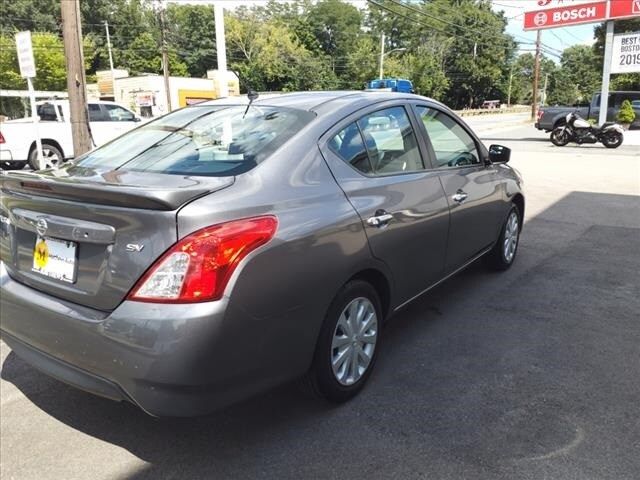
556 39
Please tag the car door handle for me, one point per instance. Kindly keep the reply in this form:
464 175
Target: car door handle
381 219
460 196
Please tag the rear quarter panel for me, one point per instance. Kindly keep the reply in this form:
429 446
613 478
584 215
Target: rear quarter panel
279 294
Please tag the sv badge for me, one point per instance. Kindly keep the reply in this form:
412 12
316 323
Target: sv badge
134 247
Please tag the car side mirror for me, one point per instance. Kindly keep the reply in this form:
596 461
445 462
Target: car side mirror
499 154
137 119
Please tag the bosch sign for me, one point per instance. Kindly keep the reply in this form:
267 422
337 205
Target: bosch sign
568 15
559 14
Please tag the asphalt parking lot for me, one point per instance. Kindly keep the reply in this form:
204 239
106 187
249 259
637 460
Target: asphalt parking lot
529 374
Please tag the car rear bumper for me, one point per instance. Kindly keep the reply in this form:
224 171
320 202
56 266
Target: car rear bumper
170 360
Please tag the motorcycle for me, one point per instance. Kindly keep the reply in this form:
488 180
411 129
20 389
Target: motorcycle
578 130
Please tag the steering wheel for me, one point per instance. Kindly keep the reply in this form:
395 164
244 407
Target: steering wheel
461 160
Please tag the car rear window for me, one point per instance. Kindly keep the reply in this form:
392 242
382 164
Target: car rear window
201 140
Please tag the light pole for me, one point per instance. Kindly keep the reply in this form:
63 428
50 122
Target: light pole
382 55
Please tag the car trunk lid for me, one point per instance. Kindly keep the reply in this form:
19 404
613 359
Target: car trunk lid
87 236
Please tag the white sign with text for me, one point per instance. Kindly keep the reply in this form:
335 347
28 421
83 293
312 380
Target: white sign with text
25 55
626 53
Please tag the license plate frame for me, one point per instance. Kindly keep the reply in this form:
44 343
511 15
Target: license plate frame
56 259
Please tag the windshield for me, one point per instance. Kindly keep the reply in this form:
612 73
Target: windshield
202 140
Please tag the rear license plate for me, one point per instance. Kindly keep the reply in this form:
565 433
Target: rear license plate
55 258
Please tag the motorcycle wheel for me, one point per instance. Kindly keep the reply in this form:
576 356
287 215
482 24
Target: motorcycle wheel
613 140
559 137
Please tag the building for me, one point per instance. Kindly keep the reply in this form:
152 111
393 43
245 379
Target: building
146 95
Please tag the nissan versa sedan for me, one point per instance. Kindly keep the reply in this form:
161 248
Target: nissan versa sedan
228 247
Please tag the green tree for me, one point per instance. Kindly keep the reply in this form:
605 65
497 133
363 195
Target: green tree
192 34
48 53
144 56
268 56
335 25
581 68
34 15
626 115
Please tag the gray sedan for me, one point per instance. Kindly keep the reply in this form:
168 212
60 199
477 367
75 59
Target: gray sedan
226 248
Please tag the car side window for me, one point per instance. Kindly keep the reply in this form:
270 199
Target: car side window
452 145
47 112
119 114
391 142
95 113
349 146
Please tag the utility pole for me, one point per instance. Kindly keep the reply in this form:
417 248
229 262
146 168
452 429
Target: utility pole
381 53
76 80
113 80
509 92
536 77
165 58
544 89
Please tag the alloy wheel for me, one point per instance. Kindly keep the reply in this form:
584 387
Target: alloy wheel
354 341
51 158
511 233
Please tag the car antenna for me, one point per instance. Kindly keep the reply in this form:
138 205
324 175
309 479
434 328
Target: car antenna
251 93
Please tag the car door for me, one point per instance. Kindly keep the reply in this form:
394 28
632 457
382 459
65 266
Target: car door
109 121
469 183
99 123
377 160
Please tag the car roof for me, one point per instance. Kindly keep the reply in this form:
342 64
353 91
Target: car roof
319 101
311 100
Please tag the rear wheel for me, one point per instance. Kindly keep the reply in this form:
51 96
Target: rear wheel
51 155
348 343
613 140
559 137
503 254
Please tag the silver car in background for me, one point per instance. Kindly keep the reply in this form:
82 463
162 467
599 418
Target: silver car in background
223 249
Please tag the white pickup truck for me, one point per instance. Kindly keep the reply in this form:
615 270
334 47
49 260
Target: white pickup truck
107 120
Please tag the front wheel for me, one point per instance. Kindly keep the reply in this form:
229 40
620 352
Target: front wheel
560 137
348 343
613 140
503 254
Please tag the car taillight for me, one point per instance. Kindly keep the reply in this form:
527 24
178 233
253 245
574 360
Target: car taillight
540 113
198 267
2 138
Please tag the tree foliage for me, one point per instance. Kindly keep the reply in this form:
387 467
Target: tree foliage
626 115
456 51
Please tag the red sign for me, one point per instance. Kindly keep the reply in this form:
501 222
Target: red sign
625 9
569 15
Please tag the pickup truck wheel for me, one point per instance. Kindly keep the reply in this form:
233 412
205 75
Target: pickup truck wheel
52 157
12 165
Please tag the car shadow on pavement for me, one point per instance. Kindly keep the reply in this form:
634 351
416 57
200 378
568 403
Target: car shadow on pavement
488 376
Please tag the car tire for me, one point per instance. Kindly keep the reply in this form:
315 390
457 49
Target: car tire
348 344
9 165
52 156
503 254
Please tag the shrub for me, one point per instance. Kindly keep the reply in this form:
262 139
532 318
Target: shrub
626 114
